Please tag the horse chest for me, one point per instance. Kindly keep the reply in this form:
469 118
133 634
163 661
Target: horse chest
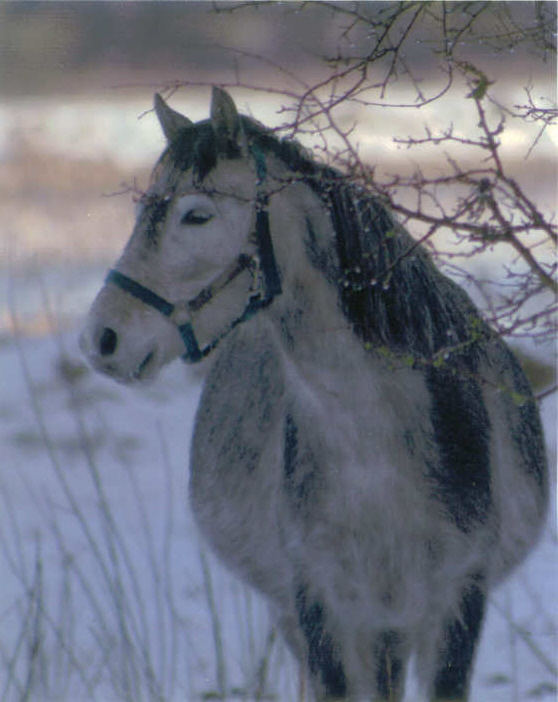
232 487
280 461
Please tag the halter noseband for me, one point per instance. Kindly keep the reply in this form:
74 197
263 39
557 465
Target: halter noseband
257 273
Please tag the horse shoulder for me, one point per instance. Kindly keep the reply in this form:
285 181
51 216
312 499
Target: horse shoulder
234 466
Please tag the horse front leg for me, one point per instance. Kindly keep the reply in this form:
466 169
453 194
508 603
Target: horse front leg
378 676
322 654
451 674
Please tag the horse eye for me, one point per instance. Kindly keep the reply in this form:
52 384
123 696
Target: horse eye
196 217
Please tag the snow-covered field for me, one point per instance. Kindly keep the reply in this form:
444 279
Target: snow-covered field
105 591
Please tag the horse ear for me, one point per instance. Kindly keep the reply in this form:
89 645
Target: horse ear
226 121
171 122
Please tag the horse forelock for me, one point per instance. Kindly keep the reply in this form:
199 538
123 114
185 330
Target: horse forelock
199 148
193 148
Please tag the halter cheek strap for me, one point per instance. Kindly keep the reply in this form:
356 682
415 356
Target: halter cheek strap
258 275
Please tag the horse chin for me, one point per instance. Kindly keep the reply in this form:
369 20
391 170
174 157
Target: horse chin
141 372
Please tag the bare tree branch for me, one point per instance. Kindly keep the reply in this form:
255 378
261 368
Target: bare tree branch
475 203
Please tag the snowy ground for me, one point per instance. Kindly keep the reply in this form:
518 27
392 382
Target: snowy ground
94 514
105 590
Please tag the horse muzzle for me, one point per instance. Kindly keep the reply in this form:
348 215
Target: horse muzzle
125 340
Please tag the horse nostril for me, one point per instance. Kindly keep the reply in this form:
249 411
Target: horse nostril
108 342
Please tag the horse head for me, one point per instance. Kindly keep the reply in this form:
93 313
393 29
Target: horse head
200 259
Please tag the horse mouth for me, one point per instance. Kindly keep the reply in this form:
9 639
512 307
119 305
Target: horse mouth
144 367
143 371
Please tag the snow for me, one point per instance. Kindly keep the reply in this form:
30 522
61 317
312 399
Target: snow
90 466
106 591
100 556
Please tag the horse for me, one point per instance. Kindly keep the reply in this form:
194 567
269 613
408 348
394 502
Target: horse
367 452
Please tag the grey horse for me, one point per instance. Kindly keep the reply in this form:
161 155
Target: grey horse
367 453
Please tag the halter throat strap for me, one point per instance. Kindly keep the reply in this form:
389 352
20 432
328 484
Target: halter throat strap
258 272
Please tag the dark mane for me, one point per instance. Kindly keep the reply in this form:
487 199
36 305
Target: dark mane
393 297
389 288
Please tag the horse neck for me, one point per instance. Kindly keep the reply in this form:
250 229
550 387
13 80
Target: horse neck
307 317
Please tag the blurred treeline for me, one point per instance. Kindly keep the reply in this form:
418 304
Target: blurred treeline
68 47
62 46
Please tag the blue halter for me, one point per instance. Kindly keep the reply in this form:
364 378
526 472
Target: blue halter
266 281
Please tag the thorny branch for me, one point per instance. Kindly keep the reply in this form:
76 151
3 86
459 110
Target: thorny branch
469 211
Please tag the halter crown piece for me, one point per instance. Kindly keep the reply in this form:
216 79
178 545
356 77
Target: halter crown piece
201 324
